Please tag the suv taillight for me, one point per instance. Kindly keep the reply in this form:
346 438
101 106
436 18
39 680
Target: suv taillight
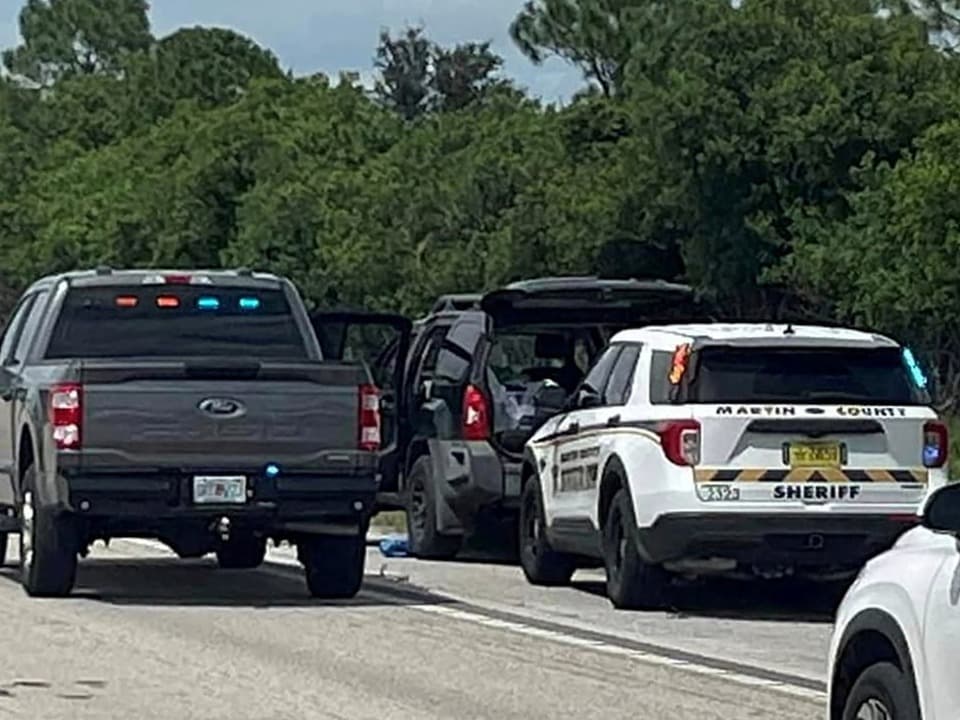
936 444
66 415
681 442
369 418
476 414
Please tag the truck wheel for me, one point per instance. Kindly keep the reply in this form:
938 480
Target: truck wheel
631 583
882 691
425 541
541 564
334 565
48 546
242 552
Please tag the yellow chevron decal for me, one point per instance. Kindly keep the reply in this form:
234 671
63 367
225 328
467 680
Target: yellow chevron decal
820 475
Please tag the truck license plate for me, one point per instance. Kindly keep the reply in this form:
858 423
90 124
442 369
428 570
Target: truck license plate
219 490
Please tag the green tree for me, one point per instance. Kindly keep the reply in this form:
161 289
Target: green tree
404 65
463 75
77 37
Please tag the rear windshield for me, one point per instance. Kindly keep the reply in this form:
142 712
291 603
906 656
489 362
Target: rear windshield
176 321
757 375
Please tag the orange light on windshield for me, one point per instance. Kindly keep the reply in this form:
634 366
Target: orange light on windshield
168 301
127 301
679 365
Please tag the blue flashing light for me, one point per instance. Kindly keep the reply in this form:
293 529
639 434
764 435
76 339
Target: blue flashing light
931 453
249 303
916 372
271 470
208 303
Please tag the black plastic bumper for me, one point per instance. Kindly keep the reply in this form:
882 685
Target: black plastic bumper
149 499
836 541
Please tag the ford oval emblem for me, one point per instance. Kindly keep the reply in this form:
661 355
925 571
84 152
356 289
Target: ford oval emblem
222 407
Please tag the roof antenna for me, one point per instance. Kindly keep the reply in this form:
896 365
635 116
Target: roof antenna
789 330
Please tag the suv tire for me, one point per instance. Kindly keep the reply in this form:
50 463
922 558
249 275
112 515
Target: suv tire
631 583
425 540
48 545
541 564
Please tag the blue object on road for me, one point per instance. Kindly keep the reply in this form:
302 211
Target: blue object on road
394 546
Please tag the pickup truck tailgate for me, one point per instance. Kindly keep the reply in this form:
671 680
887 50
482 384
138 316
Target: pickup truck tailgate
219 415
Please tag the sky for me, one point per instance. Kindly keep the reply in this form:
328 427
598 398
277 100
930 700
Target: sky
332 35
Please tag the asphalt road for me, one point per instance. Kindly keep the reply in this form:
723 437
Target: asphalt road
148 636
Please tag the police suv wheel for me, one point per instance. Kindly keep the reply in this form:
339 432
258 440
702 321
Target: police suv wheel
333 564
541 564
882 692
48 546
631 583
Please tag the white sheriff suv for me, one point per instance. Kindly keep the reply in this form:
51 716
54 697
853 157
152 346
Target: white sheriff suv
740 450
894 646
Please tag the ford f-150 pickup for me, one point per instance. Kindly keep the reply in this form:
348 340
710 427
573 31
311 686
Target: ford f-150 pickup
190 407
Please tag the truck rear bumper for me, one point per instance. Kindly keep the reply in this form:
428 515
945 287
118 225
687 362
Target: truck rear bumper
145 500
804 541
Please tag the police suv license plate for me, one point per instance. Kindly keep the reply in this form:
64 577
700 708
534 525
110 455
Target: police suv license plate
219 489
824 455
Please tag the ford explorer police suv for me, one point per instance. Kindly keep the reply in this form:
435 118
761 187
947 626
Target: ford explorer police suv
736 450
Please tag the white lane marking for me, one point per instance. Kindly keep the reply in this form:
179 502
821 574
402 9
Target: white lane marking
799 691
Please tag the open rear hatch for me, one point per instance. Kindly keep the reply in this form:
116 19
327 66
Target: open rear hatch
574 301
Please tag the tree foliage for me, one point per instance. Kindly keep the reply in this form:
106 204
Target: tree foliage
791 157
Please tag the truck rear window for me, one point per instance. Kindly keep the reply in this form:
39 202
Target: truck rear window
176 321
801 375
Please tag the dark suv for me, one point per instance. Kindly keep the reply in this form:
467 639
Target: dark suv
480 373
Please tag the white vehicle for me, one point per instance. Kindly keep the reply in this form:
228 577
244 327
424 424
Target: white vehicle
898 629
739 450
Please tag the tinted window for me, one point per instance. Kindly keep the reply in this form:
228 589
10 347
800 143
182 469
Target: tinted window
29 329
430 353
12 332
660 363
621 379
456 352
818 375
597 377
196 321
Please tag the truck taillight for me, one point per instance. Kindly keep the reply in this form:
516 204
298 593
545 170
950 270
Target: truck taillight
369 434
936 444
66 415
476 414
681 442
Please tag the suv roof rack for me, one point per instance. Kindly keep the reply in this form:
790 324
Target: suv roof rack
456 303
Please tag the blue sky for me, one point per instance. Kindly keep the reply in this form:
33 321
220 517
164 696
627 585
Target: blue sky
333 35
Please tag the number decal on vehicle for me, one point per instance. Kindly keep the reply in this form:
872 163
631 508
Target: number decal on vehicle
718 493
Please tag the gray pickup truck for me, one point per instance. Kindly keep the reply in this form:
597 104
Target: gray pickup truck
190 407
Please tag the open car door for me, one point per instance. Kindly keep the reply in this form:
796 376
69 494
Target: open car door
382 342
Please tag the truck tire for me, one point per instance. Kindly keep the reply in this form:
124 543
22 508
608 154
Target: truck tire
882 691
242 552
425 541
632 584
541 564
334 565
48 546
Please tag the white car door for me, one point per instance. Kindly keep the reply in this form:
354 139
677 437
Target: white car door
941 629
572 480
